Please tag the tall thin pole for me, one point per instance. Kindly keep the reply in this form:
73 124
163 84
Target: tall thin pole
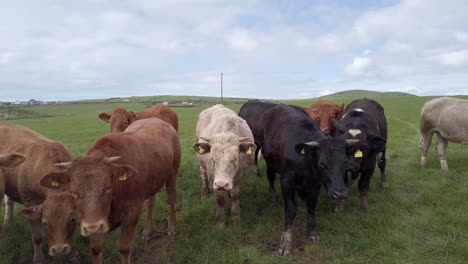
222 88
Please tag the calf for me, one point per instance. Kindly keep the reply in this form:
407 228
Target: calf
365 120
324 113
120 118
111 183
224 148
295 147
447 118
45 210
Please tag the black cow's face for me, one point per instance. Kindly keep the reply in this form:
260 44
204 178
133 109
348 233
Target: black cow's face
330 155
369 142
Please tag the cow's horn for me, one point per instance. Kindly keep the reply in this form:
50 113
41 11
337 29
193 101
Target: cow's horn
205 139
112 159
312 144
352 141
63 165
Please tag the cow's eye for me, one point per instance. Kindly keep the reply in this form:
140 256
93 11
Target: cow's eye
45 223
73 220
107 189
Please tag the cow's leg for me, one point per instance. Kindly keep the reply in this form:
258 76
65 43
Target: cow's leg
9 209
312 227
96 243
204 176
171 200
235 207
442 151
363 185
255 165
127 235
271 179
36 235
382 161
148 227
220 202
425 144
290 210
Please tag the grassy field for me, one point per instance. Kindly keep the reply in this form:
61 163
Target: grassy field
421 218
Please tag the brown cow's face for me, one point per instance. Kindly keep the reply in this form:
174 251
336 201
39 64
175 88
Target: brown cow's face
119 120
323 113
57 215
91 181
227 155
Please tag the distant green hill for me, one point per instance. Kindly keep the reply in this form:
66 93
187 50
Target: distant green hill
363 93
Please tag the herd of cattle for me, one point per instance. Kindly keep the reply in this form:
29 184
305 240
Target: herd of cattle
323 145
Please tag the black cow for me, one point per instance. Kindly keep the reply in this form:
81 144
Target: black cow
252 112
365 120
295 147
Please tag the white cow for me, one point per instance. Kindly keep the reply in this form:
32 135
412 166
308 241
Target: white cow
225 148
448 119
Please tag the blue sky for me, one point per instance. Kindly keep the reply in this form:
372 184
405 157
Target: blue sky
66 50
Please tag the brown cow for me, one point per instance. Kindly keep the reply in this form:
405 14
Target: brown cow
323 113
120 118
8 161
111 194
44 209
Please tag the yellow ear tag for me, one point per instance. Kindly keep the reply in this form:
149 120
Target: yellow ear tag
55 183
303 151
201 150
249 151
123 177
358 154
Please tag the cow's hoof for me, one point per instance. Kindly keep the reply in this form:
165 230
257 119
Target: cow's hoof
272 197
313 238
444 165
385 184
204 194
423 163
171 233
235 220
285 245
220 225
38 260
364 209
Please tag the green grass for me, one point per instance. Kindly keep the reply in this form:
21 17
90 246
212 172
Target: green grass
420 218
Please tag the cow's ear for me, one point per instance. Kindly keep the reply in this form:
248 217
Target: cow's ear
123 173
377 142
202 148
59 181
11 160
132 116
105 117
304 149
32 213
247 148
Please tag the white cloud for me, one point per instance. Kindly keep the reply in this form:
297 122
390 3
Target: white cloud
453 59
358 67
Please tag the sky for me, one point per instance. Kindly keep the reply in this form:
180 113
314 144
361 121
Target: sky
277 49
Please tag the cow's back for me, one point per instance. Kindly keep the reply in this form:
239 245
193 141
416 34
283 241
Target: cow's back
447 116
219 119
163 112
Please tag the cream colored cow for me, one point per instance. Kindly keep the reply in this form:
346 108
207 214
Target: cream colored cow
225 148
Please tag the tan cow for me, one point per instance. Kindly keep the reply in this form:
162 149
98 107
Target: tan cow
225 147
113 180
120 118
8 161
45 210
448 119
324 113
